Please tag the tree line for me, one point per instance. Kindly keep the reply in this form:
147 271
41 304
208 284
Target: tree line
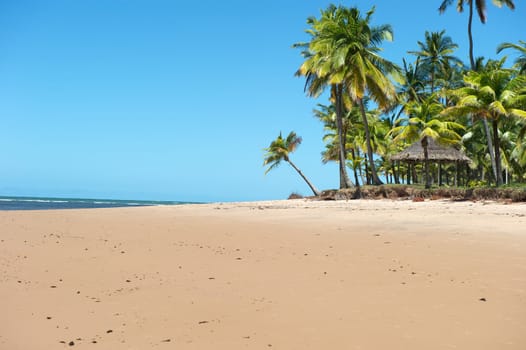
376 108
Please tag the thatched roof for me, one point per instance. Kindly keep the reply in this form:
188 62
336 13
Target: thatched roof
435 151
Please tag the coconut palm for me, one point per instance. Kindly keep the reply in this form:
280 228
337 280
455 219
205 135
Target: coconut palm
356 63
410 83
319 75
280 150
520 62
424 122
518 154
480 5
475 146
436 54
493 94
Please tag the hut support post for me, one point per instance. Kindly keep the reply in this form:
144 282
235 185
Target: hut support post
395 172
456 173
439 173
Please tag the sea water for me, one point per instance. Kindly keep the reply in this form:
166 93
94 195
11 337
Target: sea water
40 203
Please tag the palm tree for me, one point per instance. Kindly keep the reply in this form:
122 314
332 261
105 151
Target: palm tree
481 10
424 122
493 94
519 152
410 83
356 63
511 147
317 70
279 150
436 54
475 146
353 134
520 62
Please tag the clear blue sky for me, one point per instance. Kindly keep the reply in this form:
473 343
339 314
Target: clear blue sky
175 100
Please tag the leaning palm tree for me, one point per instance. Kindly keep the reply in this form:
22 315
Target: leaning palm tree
424 122
280 150
520 62
481 10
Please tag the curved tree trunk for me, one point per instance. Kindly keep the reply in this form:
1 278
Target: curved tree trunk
312 187
375 179
426 162
342 156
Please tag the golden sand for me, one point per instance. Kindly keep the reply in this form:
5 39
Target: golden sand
270 275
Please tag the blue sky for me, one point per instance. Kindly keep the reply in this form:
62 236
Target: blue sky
175 100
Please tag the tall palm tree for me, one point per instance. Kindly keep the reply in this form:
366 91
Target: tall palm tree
480 5
424 122
520 62
280 150
436 54
357 64
493 94
481 10
318 73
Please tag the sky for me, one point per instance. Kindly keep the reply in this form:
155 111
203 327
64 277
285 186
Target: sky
176 100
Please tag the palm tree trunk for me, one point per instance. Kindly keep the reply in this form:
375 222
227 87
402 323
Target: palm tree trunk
470 35
498 164
375 179
432 80
491 149
314 189
396 172
440 174
353 155
426 163
366 171
360 169
344 178
456 172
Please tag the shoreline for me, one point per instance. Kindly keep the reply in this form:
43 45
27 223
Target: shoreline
284 274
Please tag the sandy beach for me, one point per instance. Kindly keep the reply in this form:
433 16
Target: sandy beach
268 275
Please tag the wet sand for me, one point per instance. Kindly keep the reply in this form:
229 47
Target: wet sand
268 275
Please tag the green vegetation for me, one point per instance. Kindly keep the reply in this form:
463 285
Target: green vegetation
376 109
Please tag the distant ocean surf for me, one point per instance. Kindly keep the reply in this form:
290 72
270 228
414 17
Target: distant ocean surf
38 203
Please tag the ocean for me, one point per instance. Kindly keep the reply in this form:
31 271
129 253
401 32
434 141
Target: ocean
40 203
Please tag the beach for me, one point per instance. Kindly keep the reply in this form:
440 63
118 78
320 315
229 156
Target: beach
298 274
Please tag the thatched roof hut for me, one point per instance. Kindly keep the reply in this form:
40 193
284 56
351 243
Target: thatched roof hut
436 153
